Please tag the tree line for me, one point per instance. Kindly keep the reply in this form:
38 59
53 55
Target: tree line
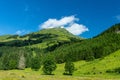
26 57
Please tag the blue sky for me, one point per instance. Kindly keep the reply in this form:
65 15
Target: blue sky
24 16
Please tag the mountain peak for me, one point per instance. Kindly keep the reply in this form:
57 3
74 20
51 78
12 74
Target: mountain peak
114 29
56 31
41 39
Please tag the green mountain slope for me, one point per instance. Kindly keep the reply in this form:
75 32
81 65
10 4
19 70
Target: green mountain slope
93 70
3 38
100 66
13 47
41 39
51 37
114 29
89 49
56 31
61 45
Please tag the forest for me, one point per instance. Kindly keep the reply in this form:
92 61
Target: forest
20 52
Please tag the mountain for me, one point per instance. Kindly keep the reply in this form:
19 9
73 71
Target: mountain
90 49
3 38
59 44
101 66
114 29
42 39
13 47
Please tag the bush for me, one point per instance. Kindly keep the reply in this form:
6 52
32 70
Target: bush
69 68
12 64
117 70
35 64
49 66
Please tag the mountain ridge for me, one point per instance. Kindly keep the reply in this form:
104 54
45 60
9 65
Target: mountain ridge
40 39
90 49
61 46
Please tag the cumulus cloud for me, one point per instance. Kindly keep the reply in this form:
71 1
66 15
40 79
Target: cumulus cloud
52 23
69 23
77 29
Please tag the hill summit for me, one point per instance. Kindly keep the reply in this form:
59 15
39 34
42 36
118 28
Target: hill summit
114 29
40 39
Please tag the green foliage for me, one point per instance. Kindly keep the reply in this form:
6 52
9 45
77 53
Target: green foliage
21 47
49 65
47 36
56 42
35 64
4 37
117 70
10 58
90 49
69 68
12 64
103 66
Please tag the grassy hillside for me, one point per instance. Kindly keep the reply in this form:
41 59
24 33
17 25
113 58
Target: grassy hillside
96 68
89 49
51 37
32 75
101 66
3 38
36 43
56 31
41 39
93 70
114 29
94 56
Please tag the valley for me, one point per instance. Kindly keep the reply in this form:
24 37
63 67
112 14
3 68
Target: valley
26 57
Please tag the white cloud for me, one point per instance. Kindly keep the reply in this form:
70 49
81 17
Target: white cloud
77 29
69 23
117 17
52 23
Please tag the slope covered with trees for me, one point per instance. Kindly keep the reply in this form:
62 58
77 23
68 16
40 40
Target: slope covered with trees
17 52
89 49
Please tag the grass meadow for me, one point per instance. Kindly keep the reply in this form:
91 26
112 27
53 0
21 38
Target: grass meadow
93 70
